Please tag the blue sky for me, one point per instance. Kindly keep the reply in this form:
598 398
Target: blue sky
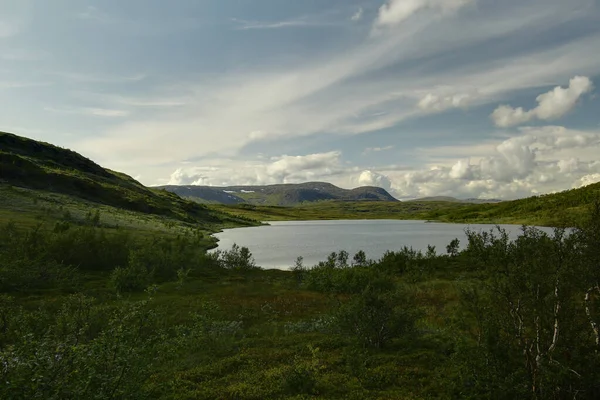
467 98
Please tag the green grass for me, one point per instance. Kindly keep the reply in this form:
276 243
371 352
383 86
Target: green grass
328 210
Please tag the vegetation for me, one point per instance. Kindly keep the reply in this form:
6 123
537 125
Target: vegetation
560 209
64 177
87 312
105 298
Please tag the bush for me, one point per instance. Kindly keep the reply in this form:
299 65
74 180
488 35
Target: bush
23 275
83 351
238 258
376 316
301 377
133 278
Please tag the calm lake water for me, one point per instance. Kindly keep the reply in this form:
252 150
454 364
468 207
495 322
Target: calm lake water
279 244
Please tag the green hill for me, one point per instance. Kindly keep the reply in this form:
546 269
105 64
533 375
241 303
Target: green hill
556 209
280 195
30 169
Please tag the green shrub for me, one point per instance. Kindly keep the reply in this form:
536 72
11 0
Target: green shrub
302 376
238 258
24 275
133 278
376 316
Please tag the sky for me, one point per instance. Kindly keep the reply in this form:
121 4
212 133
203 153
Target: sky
463 98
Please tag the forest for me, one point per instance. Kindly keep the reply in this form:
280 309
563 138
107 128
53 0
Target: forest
88 311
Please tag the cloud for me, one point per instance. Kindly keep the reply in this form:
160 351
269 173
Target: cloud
433 102
378 149
358 15
92 13
78 77
551 105
538 160
283 169
282 99
90 111
21 84
20 54
14 17
587 180
291 23
396 11
370 178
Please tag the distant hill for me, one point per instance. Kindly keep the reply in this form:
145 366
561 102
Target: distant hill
279 195
556 209
40 166
455 200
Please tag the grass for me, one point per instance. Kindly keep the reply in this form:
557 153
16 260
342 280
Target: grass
328 210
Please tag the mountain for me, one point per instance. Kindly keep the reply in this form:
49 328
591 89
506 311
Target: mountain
279 195
43 167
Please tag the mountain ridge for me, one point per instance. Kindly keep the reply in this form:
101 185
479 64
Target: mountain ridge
288 194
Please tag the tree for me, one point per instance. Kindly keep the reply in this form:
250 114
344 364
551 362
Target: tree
528 316
453 248
360 259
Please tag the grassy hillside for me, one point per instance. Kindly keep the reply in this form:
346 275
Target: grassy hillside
280 195
327 210
42 182
557 209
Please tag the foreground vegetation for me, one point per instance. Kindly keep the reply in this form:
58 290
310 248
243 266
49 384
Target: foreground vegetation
107 292
89 311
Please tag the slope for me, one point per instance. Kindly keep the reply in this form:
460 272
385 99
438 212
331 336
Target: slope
557 209
45 168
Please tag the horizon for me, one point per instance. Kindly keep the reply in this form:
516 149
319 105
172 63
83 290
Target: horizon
468 99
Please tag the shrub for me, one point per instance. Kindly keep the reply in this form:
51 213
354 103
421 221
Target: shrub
238 258
376 316
133 278
301 377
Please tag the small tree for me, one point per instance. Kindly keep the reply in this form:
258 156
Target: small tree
453 248
299 270
360 259
238 258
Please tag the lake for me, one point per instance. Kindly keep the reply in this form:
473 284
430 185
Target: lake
280 243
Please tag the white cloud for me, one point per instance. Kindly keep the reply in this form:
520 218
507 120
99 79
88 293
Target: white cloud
92 13
242 24
435 102
90 111
551 105
461 170
225 112
102 112
587 180
284 169
378 149
358 15
397 11
370 178
539 160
